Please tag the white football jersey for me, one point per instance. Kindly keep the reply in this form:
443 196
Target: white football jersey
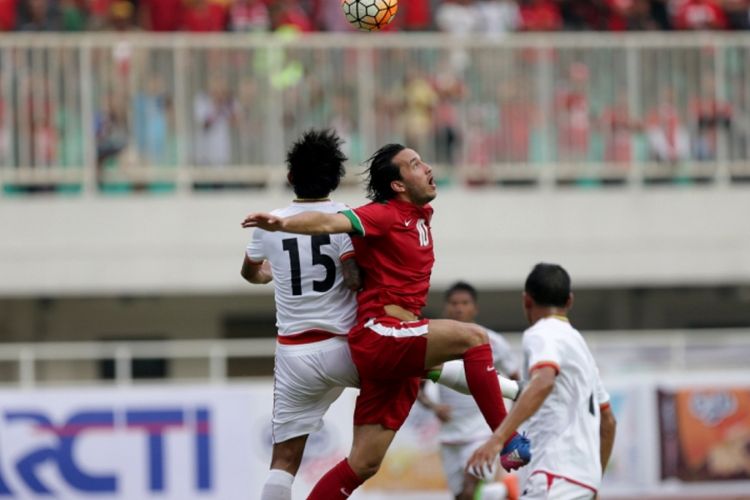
467 424
564 432
307 279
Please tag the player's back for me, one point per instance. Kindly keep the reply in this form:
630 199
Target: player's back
565 430
307 274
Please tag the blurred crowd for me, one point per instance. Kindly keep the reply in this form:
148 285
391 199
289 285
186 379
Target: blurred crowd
461 107
466 115
454 16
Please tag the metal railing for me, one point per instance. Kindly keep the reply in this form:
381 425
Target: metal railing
617 353
119 113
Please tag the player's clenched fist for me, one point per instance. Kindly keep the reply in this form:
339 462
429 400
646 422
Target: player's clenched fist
264 221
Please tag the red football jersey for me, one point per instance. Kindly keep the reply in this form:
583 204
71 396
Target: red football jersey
393 248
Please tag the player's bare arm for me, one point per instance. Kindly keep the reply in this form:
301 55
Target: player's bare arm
351 273
540 386
304 223
256 273
607 435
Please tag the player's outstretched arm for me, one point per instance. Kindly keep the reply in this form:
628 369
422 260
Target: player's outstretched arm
531 399
304 223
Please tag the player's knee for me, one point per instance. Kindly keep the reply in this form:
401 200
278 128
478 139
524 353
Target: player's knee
365 467
476 336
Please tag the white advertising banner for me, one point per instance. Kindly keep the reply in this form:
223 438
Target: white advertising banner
178 443
213 442
136 443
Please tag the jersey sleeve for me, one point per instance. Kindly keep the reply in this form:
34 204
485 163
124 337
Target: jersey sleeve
254 250
344 246
373 219
502 353
541 351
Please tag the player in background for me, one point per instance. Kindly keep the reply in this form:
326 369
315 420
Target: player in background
315 279
391 346
564 408
462 427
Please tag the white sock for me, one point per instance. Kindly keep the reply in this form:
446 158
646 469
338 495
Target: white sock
453 376
278 486
492 491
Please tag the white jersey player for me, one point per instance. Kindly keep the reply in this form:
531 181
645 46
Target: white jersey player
314 288
463 427
314 312
564 408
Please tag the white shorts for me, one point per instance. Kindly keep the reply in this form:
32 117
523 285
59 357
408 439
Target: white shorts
307 379
540 486
455 457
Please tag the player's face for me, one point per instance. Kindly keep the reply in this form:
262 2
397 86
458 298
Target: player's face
460 306
416 176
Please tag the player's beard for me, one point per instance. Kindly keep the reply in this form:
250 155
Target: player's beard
420 195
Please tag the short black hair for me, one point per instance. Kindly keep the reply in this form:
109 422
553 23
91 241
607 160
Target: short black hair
461 286
548 285
382 171
316 163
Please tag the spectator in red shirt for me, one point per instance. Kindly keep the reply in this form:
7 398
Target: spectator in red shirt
618 126
8 9
517 119
161 15
288 13
415 15
249 15
540 15
700 15
572 109
204 16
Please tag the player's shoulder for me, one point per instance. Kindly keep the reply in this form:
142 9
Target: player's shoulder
331 206
379 210
541 328
283 211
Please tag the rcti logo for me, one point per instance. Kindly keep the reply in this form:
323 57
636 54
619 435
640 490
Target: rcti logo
152 423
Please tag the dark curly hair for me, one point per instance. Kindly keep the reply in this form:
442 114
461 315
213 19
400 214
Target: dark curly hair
316 163
382 171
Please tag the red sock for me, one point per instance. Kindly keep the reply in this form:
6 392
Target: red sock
337 484
481 378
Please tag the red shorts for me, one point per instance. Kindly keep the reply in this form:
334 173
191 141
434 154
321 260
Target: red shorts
389 355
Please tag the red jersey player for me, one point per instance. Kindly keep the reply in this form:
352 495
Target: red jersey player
391 346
